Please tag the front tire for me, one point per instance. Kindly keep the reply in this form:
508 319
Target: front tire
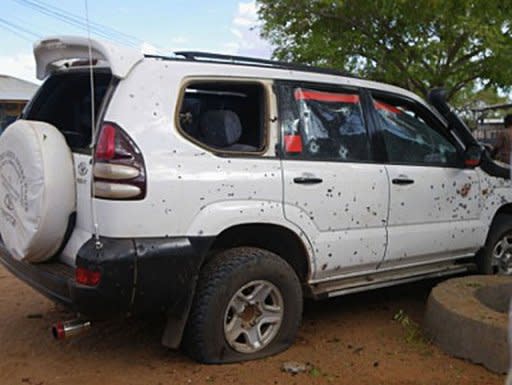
247 305
496 256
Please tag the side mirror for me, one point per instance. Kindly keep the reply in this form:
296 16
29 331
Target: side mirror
473 156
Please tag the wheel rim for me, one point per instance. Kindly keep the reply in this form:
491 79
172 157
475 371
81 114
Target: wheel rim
502 255
253 316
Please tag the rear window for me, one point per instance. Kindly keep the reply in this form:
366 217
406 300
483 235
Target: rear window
64 101
224 116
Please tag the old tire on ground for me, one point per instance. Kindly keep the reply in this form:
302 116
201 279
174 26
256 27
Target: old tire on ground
467 318
247 305
37 189
496 256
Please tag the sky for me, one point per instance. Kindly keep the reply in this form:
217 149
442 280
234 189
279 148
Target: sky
152 26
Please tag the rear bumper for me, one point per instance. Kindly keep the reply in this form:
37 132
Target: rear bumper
137 276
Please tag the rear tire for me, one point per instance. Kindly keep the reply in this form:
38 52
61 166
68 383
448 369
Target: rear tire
496 256
247 305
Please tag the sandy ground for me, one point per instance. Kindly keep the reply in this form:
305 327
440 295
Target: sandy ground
349 340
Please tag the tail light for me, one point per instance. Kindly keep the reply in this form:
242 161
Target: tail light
119 171
87 277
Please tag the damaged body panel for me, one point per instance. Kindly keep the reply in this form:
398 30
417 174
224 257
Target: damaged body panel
212 178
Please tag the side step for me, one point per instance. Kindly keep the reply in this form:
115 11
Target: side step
378 279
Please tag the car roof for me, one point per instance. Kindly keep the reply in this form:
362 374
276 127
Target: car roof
268 69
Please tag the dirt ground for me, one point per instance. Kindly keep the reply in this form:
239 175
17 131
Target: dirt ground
369 338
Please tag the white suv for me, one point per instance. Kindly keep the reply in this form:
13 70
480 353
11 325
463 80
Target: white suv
221 190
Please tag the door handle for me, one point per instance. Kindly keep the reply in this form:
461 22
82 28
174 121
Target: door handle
401 181
307 180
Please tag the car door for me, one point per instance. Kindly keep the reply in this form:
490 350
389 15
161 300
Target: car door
434 201
333 190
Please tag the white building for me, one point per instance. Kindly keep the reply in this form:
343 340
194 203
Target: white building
14 94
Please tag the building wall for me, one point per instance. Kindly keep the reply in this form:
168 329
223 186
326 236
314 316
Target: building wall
9 111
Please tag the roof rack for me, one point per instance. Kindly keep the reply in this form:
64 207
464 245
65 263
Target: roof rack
251 61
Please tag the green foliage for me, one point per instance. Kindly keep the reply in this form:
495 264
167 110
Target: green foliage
315 372
416 44
413 333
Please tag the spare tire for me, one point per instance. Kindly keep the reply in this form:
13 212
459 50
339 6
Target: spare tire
37 189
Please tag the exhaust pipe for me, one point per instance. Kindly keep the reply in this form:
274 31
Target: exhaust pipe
63 330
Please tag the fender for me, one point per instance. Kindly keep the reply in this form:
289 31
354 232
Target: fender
495 193
219 216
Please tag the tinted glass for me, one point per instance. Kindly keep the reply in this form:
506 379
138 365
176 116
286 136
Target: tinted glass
408 136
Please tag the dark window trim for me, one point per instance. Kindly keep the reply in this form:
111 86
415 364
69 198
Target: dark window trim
265 112
433 122
325 87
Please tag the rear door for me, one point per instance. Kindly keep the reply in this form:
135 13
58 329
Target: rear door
64 101
333 190
434 201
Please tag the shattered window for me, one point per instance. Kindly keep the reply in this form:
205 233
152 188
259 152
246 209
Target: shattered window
323 125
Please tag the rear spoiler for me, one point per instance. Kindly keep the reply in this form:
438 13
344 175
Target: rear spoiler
51 50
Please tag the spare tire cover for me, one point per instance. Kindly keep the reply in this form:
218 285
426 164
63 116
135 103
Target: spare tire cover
37 189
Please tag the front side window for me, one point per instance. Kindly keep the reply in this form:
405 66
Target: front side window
323 125
224 116
409 137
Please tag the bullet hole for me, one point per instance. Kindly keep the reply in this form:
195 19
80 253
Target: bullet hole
201 199
355 253
329 255
200 232
154 113
132 96
402 204
324 266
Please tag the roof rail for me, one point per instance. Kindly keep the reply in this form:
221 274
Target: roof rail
251 61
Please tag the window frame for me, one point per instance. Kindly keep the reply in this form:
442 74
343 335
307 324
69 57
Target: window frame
332 88
430 119
265 114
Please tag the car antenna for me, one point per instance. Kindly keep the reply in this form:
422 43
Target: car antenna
94 217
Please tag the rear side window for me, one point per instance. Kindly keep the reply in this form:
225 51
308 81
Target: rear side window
410 134
224 116
323 125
